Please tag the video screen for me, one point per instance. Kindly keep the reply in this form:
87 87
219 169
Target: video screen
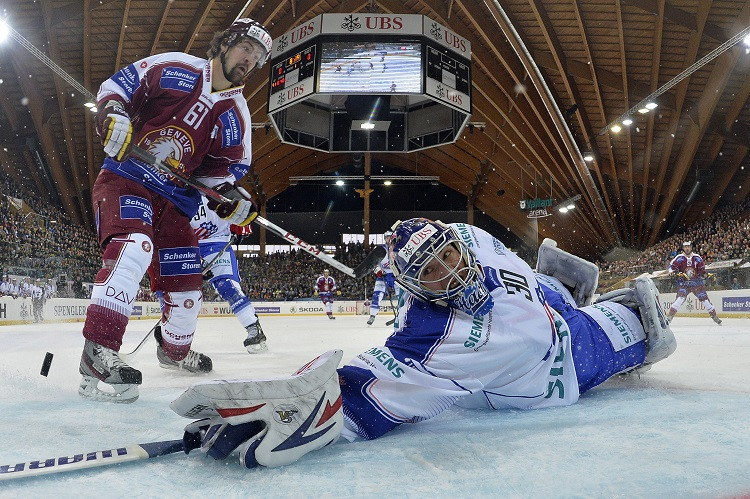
370 67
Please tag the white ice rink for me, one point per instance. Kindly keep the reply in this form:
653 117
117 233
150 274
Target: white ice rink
681 430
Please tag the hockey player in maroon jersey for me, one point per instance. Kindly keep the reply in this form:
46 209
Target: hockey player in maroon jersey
189 112
325 286
690 270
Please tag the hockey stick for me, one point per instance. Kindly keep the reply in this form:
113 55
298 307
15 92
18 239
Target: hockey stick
206 268
132 452
393 308
361 270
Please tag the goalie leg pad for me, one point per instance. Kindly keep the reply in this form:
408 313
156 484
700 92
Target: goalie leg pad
298 414
580 275
645 297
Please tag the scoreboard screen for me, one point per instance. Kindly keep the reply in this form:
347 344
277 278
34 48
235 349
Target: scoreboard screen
448 69
370 67
292 69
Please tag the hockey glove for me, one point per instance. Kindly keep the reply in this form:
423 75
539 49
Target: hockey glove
681 275
338 293
115 130
711 277
240 211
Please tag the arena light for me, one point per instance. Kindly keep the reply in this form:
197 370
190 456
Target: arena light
651 105
616 128
339 182
588 157
367 125
571 206
4 30
89 104
563 209
627 122
643 110
387 182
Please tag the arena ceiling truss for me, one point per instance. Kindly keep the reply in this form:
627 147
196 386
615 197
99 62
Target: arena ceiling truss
597 58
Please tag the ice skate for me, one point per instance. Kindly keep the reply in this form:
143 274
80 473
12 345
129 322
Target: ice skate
256 340
371 320
193 362
716 318
331 317
99 363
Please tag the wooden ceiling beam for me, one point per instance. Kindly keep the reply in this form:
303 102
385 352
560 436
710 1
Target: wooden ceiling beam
637 90
89 116
72 11
160 28
61 89
560 61
675 121
603 115
121 42
706 105
624 69
45 134
648 152
532 106
196 24
679 17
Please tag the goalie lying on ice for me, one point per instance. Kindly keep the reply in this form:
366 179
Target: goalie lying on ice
476 327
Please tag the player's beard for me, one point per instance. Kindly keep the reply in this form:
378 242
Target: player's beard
235 75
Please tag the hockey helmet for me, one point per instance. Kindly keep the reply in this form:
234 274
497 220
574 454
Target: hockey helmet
252 29
430 259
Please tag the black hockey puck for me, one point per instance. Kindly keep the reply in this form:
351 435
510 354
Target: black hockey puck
45 365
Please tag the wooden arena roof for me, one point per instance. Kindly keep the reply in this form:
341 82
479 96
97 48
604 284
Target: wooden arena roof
598 58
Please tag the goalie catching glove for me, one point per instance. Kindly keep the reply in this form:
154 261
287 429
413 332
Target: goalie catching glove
240 210
270 422
114 129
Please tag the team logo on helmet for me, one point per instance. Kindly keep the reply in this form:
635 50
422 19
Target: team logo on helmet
251 29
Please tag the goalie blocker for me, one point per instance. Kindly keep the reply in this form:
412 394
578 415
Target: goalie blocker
270 422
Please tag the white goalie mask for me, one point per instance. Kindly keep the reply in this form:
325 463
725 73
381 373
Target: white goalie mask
430 259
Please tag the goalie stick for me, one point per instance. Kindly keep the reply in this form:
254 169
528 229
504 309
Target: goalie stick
360 271
206 268
85 460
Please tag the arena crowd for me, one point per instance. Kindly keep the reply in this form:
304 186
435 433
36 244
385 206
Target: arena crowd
39 242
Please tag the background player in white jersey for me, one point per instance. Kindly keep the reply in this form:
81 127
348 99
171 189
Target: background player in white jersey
690 269
476 327
325 286
384 283
189 112
213 235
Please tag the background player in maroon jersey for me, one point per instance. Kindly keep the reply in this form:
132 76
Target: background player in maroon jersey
690 270
189 112
325 286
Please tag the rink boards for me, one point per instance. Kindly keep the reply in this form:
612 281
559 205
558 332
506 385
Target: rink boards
728 303
19 310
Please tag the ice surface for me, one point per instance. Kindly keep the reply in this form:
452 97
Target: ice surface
680 430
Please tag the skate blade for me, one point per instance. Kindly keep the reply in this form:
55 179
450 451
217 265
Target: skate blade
257 348
175 367
123 394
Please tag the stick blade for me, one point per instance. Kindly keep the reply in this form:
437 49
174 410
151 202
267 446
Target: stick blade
370 262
